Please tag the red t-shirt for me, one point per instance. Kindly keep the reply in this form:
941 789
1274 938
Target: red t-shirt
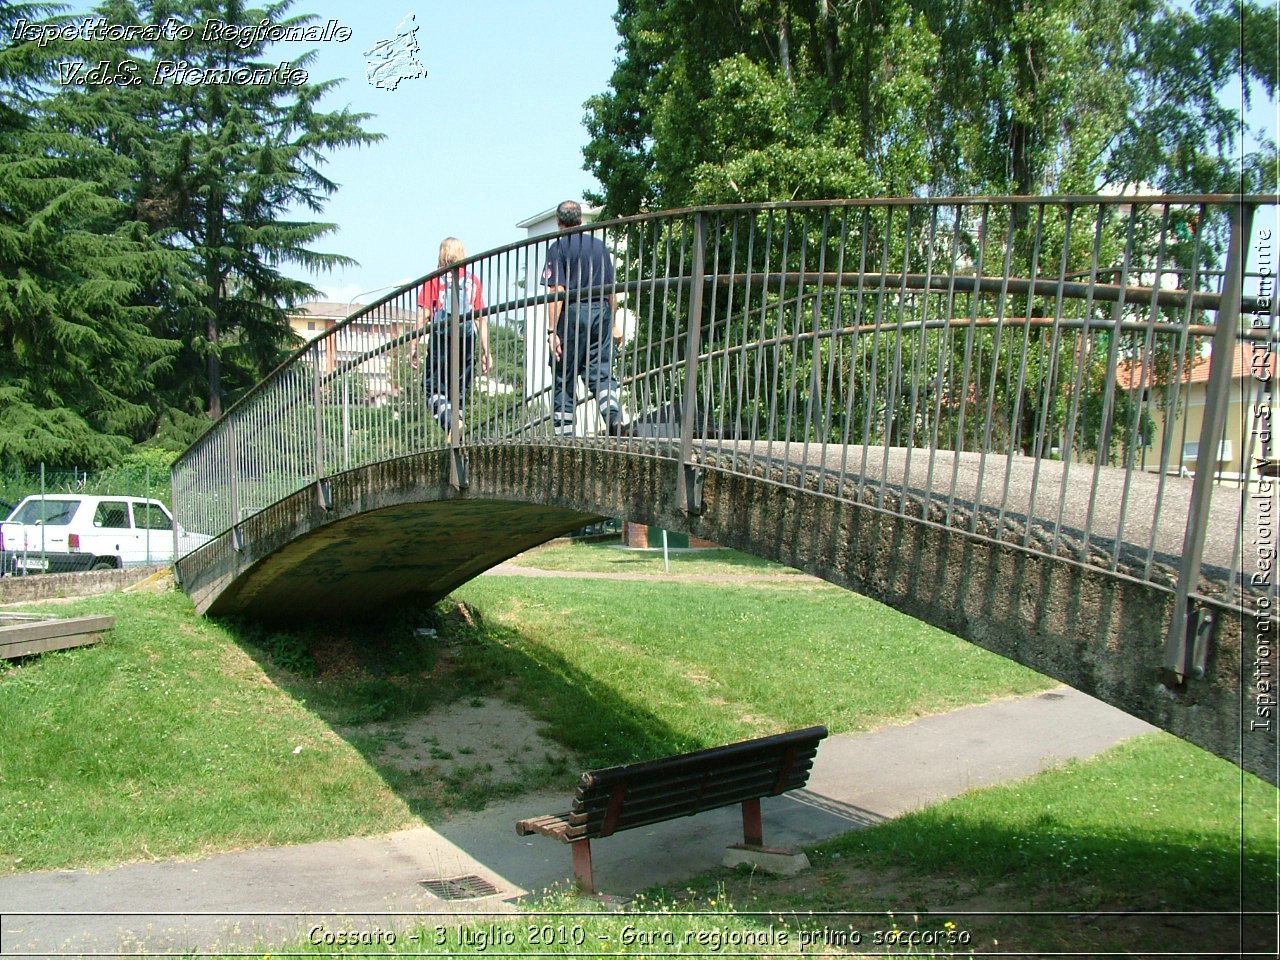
437 294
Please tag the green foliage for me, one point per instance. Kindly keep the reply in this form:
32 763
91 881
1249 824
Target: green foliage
811 99
175 430
144 472
213 168
78 357
142 231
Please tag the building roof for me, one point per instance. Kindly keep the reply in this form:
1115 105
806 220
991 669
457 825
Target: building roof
1247 361
324 308
588 214
331 310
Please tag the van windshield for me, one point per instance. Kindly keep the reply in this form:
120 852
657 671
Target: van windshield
52 513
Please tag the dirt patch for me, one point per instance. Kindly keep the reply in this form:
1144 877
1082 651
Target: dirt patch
483 734
333 657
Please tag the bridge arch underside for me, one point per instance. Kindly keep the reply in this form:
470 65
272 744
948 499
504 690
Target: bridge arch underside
397 529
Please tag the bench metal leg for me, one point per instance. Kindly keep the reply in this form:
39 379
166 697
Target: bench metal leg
582 865
752 824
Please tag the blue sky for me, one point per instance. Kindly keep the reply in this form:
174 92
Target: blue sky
493 134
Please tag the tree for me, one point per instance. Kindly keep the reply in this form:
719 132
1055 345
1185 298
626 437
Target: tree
77 358
716 101
220 142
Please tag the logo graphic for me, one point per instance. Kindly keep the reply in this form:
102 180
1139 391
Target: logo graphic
391 61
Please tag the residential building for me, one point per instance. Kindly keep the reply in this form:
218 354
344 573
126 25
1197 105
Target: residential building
357 344
1177 412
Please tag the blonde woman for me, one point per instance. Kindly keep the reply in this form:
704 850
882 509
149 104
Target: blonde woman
435 301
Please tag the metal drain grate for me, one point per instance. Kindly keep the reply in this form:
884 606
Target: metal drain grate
468 887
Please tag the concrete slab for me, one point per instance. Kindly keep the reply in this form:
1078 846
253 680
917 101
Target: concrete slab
785 863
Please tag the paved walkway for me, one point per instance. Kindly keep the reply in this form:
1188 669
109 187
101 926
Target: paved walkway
255 898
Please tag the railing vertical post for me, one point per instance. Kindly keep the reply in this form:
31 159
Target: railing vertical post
1186 646
322 486
346 422
457 466
233 454
689 478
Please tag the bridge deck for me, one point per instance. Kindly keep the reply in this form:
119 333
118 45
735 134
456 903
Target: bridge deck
1136 522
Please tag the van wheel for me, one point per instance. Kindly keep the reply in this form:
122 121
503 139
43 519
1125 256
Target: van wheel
104 565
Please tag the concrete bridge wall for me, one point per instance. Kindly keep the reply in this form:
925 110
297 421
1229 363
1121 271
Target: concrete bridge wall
398 529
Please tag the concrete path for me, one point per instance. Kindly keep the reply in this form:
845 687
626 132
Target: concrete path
258 898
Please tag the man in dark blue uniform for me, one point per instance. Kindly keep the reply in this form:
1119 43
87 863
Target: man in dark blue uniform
580 327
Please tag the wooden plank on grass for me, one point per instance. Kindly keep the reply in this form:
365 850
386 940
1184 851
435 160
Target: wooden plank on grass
25 637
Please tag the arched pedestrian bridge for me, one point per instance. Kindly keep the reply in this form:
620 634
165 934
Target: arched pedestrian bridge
1040 424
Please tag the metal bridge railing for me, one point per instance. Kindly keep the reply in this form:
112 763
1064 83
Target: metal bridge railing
1084 377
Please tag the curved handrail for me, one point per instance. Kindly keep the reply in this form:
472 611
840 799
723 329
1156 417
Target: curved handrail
827 333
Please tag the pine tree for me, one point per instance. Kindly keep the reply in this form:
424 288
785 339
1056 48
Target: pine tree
77 360
215 166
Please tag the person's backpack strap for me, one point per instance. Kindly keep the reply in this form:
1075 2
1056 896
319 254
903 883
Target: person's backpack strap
440 316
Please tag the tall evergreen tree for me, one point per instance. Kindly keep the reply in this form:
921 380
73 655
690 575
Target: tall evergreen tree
77 359
215 166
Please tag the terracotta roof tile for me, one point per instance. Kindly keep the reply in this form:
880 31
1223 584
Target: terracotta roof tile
1246 359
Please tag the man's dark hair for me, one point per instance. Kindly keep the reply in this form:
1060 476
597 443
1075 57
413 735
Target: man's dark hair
569 214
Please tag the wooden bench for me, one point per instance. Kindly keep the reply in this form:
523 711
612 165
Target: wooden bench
651 791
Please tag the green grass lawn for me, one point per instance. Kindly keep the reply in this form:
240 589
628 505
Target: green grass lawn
1151 848
611 558
167 739
1105 854
180 736
624 670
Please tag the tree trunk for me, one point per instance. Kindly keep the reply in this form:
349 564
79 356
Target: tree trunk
829 53
213 364
784 41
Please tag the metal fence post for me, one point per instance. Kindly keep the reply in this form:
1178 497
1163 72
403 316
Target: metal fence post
173 531
233 451
42 510
322 485
689 479
1186 648
457 464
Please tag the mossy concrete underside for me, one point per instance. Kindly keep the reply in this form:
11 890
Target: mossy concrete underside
397 529
391 532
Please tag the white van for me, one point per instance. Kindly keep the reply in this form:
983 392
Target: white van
63 532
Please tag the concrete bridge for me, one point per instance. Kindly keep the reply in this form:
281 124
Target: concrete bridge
847 388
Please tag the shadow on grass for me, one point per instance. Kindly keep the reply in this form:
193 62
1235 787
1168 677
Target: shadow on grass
610 556
369 679
1034 882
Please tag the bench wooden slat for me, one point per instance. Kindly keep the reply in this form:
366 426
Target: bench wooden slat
669 766
742 784
565 827
775 760
767 779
